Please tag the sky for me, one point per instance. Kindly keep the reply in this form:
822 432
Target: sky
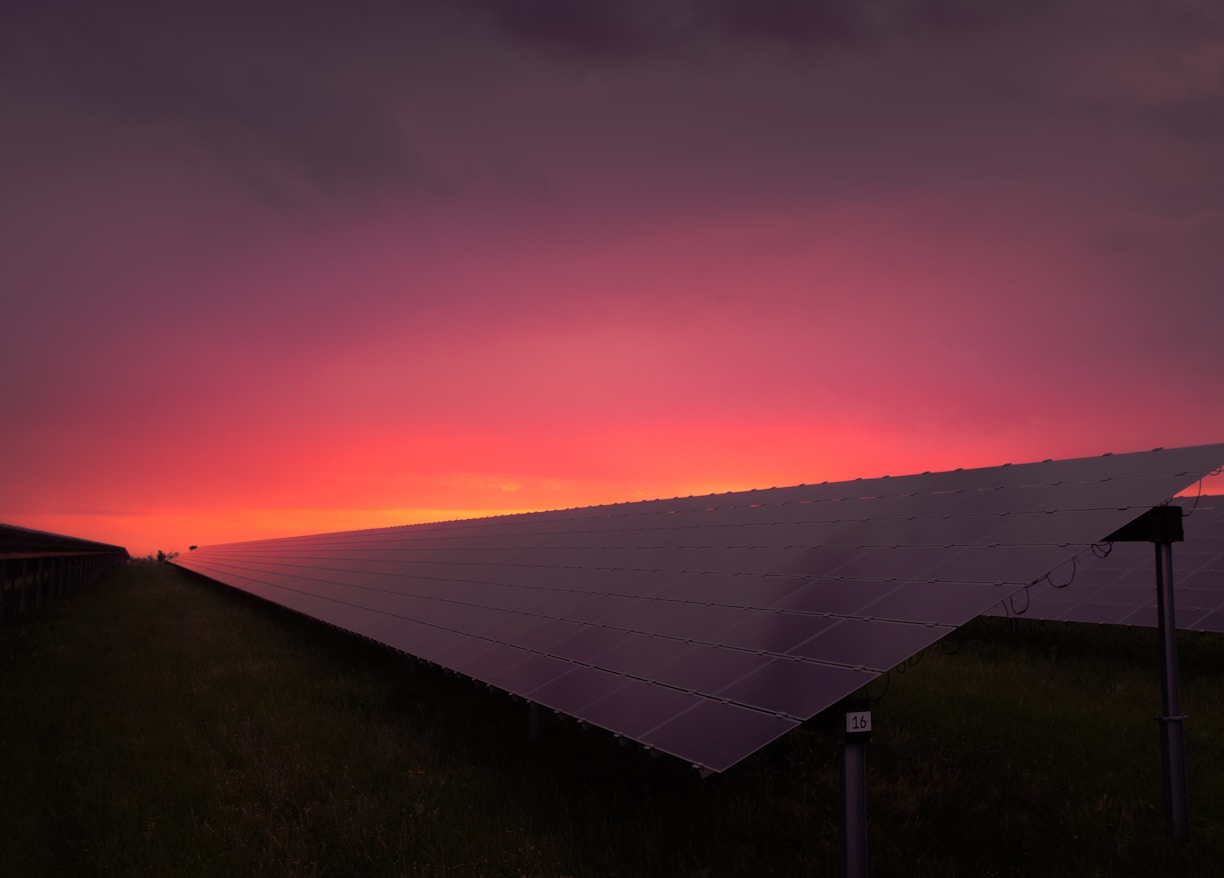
273 268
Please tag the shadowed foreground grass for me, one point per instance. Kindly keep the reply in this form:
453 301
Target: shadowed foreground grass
160 724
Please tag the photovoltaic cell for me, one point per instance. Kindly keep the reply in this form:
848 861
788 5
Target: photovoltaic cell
706 669
912 600
715 735
794 688
870 644
836 596
773 632
705 627
637 655
528 672
637 707
577 688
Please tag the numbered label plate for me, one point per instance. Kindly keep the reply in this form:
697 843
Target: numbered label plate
858 721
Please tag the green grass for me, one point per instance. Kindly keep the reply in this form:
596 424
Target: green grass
155 723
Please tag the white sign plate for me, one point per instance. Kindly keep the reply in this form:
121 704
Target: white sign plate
858 721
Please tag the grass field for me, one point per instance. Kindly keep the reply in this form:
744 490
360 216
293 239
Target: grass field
159 724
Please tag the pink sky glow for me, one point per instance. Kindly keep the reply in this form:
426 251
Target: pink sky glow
276 268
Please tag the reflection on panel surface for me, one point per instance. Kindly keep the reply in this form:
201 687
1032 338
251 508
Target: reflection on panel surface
706 627
1116 583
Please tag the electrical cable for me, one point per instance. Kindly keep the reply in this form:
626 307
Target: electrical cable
1011 603
912 662
1053 584
876 699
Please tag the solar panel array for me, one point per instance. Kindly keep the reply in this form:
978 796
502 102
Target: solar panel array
1116 584
706 627
34 563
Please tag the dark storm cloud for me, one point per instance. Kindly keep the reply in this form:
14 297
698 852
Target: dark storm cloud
1103 53
636 27
263 91
301 98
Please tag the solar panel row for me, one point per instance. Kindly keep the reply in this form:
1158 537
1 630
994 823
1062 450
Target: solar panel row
706 627
23 542
34 564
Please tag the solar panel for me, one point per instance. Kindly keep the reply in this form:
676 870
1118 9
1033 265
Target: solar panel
1116 583
705 627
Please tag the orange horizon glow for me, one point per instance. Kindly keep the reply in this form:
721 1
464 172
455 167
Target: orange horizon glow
175 530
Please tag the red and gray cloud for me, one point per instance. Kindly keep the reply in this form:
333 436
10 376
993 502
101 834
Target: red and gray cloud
361 249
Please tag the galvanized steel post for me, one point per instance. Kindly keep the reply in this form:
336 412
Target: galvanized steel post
1162 525
1172 730
855 733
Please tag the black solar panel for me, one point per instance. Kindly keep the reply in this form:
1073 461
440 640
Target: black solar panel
706 627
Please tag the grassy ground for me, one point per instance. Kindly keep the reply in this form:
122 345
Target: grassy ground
159 724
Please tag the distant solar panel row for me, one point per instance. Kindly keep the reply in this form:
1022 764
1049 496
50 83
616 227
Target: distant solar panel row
22 542
706 627
35 563
1120 588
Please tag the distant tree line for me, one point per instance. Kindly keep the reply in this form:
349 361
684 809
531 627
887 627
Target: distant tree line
160 558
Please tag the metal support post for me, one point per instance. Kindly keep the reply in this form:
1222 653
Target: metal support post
533 721
855 733
1162 525
1172 730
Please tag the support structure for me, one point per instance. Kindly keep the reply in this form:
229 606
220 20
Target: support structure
1172 730
1163 527
854 719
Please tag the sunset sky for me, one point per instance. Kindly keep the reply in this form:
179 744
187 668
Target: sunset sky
273 268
